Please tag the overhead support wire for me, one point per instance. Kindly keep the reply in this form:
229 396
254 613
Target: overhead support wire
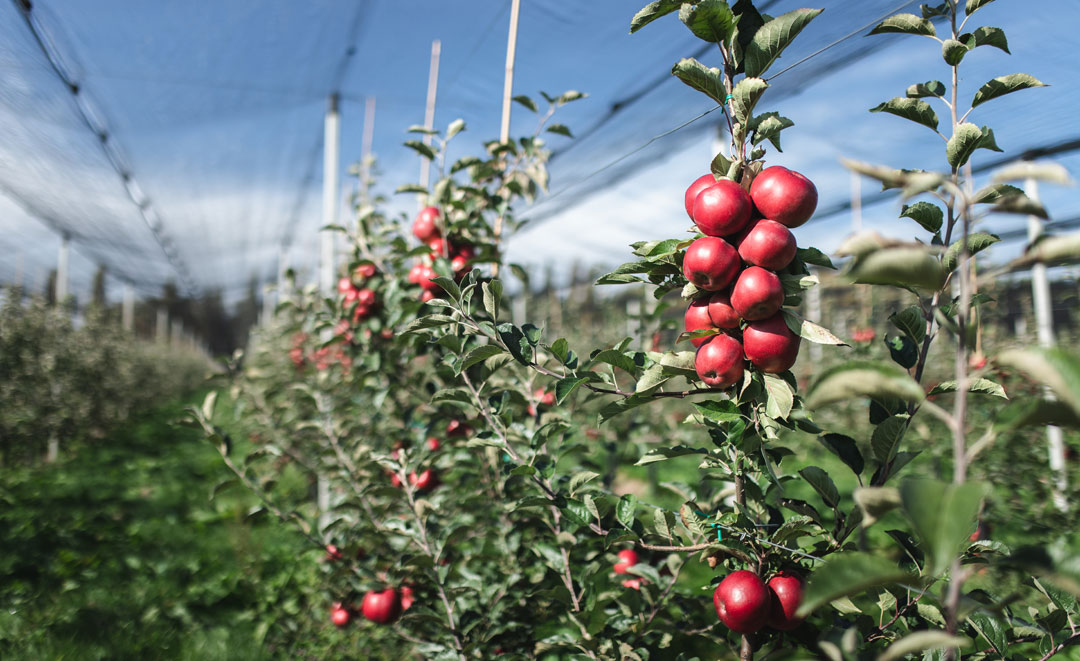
109 146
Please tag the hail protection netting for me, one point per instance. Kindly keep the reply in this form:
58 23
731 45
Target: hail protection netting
183 141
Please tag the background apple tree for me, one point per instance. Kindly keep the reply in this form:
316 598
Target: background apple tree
476 466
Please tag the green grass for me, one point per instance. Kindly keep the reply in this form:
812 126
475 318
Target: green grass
119 553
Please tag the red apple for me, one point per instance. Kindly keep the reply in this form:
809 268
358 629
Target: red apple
466 250
438 246
333 553
710 263
787 591
338 615
344 285
459 264
425 227
361 312
721 313
381 607
433 444
407 597
742 601
770 345
414 273
425 481
697 318
784 195
700 184
426 296
350 296
722 209
632 583
457 428
426 273
627 559
767 244
863 335
757 294
719 362
365 297
364 271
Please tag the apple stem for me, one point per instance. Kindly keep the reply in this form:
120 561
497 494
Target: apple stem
746 653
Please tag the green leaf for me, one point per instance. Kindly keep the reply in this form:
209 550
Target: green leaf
995 193
992 630
983 386
905 24
929 88
808 330
560 129
814 256
708 80
972 5
953 51
941 515
911 323
624 510
709 20
663 454
745 96
1003 85
527 102
651 378
720 165
564 387
986 36
622 405
920 641
420 148
1038 413
885 441
1054 367
1052 250
767 126
780 397
976 243
456 126
616 358
581 478
858 379
480 354
916 110
568 96
411 188
875 502
847 574
1021 170
846 449
653 11
1021 204
929 216
772 38
492 298
822 483
721 411
964 141
901 266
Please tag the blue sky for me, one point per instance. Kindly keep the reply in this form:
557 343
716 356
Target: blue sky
217 108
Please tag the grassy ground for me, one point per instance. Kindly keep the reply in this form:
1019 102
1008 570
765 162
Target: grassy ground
118 553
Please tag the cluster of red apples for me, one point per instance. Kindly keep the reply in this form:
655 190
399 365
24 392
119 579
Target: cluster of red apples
426 228
428 479
361 299
381 607
747 241
746 604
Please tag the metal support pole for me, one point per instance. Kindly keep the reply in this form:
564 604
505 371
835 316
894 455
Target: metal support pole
161 328
331 202
429 113
127 316
508 93
365 149
1044 328
62 270
331 190
813 313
